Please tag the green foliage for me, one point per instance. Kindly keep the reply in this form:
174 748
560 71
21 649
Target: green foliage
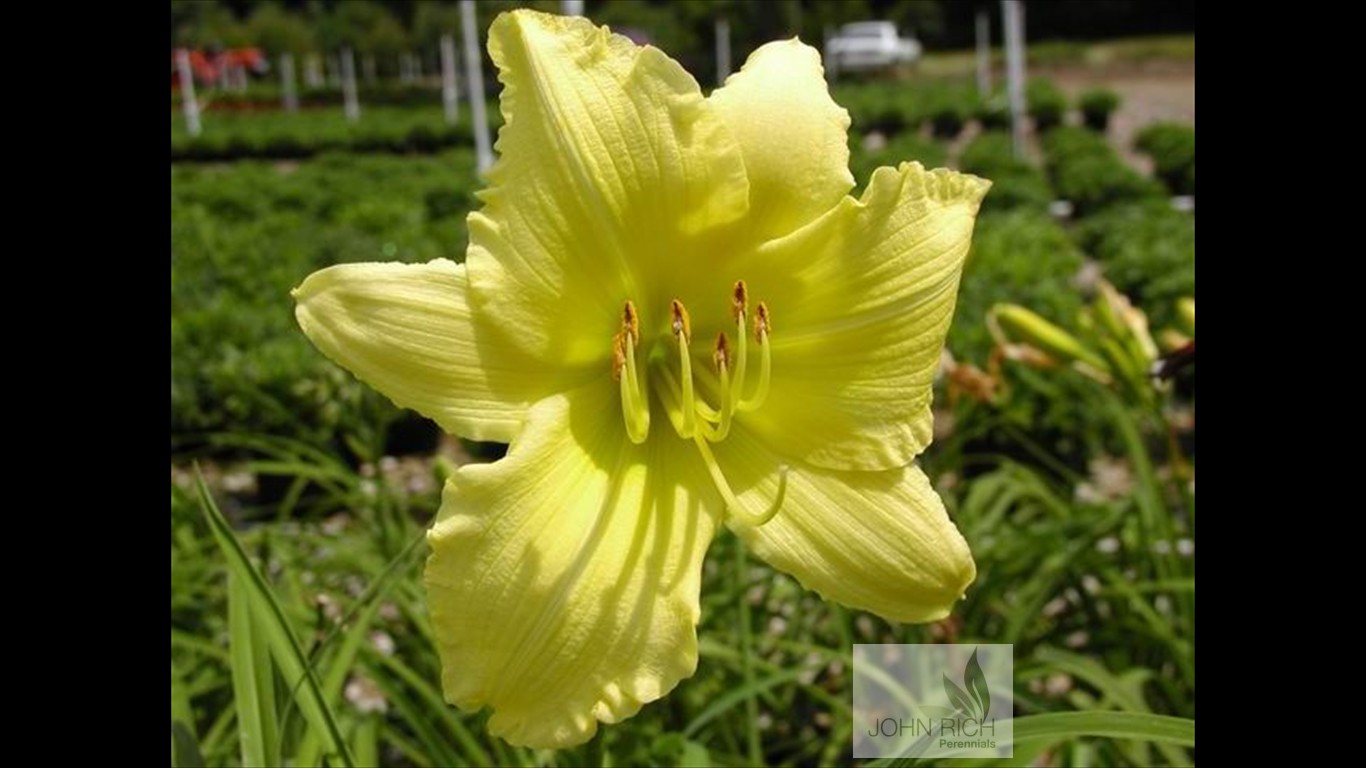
1014 182
899 149
285 135
895 107
1148 252
1172 148
276 31
993 111
1097 105
881 107
948 107
242 237
1086 170
1019 256
1046 104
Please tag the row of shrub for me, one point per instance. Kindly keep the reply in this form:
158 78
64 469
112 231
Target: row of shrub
1015 183
282 135
269 96
243 235
948 106
1085 170
1172 149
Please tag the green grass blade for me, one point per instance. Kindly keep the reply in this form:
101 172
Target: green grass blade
180 704
1157 729
737 696
431 698
284 645
1054 727
253 687
367 742
1127 696
184 748
339 667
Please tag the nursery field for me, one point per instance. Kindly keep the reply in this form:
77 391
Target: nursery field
299 631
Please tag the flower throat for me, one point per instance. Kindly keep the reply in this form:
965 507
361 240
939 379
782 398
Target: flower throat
693 418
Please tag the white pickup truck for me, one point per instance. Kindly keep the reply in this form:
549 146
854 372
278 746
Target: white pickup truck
869 45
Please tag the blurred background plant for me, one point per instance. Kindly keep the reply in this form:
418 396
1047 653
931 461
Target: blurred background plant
298 628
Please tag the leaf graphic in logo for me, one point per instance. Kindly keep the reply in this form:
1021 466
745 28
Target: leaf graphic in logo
976 683
959 697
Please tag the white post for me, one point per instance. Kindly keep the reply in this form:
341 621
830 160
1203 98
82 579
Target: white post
571 7
1012 17
722 50
188 102
450 97
367 64
348 72
474 71
983 53
313 71
289 98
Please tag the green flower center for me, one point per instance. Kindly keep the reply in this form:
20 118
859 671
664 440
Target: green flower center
692 417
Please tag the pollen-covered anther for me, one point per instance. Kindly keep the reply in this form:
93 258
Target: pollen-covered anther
618 356
681 325
763 323
630 322
721 357
739 300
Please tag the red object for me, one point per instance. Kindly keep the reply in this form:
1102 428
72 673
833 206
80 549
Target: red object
208 66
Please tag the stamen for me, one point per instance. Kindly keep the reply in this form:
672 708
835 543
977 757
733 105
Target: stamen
762 325
722 359
740 309
733 505
635 404
682 330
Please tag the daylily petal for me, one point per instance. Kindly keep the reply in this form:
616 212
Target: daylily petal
612 164
861 302
563 582
793 135
407 331
876 541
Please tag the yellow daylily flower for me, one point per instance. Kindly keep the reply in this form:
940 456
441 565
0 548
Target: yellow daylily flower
676 315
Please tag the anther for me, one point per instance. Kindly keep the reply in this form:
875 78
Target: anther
721 357
762 324
682 326
630 322
739 300
618 356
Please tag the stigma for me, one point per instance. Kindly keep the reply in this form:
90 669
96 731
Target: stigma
703 401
